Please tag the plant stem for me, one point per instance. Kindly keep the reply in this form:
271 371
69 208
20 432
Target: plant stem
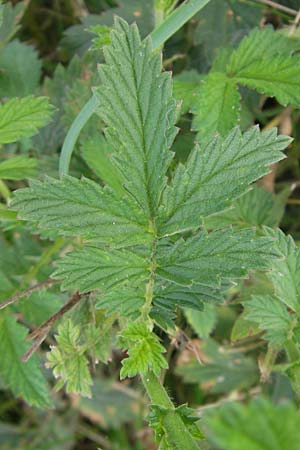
159 35
175 21
177 433
73 134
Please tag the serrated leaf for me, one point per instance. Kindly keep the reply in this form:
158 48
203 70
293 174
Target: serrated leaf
73 207
285 274
216 106
144 351
20 70
68 361
18 168
137 106
214 176
208 258
94 268
22 117
256 426
262 62
272 316
24 379
258 45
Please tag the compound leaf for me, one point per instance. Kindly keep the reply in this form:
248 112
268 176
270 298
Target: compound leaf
145 351
69 362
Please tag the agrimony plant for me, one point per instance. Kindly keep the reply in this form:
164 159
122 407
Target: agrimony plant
144 249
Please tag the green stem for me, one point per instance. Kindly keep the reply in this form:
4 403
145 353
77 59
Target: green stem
177 434
175 21
159 36
73 134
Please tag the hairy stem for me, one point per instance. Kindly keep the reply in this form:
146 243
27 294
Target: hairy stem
159 36
178 435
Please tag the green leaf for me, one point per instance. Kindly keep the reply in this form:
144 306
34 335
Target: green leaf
185 87
81 207
202 322
68 361
208 258
256 426
137 106
94 268
285 274
272 316
20 70
262 62
216 107
24 379
18 168
22 117
144 351
214 176
11 17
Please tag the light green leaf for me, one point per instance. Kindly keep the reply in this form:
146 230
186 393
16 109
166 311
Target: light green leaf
24 379
216 107
272 316
202 322
20 70
260 425
137 106
18 168
83 207
94 268
145 351
285 274
22 117
214 176
68 361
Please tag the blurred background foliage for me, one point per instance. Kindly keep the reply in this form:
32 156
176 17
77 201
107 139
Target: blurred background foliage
50 47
